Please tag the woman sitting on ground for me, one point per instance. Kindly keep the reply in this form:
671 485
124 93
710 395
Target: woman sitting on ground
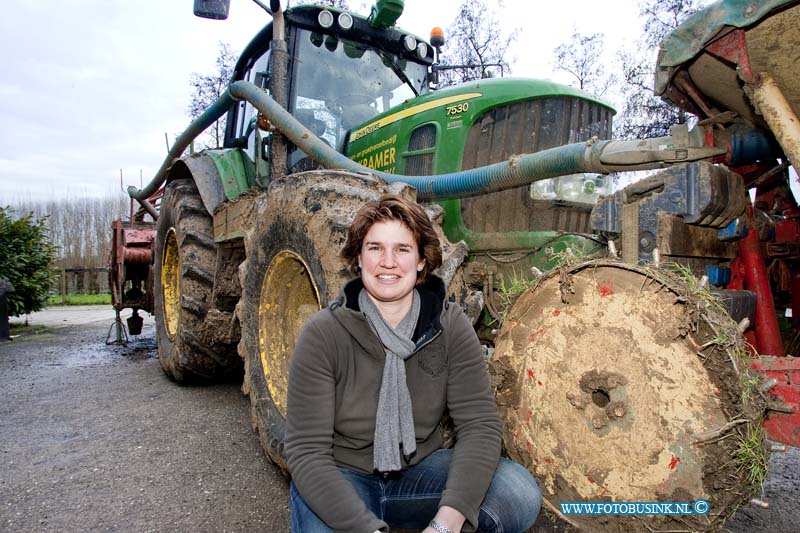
371 377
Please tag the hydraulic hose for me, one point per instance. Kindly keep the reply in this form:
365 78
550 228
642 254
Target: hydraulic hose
206 119
589 156
521 170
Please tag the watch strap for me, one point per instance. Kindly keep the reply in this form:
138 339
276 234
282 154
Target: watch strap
439 527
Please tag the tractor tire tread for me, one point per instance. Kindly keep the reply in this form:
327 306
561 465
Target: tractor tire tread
199 274
195 307
184 356
199 346
202 240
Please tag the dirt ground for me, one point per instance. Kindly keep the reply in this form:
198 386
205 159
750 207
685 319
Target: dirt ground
95 437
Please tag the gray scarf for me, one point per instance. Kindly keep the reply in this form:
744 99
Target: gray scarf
394 421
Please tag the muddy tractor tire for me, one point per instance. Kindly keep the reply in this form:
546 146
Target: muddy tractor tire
627 385
293 270
185 260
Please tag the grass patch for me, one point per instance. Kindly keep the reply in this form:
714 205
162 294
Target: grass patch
692 283
751 456
16 328
511 287
573 255
80 299
749 386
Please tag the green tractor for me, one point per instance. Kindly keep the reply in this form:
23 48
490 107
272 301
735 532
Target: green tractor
616 381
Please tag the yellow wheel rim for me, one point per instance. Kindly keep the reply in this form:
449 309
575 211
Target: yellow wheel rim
170 283
288 297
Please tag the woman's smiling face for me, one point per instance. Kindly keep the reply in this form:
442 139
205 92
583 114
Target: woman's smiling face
389 262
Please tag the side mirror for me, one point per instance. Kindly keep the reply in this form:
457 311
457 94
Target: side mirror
212 9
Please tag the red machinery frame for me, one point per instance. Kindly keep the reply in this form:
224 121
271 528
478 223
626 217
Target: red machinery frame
750 270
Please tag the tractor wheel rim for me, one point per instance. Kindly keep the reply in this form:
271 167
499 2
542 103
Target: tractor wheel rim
170 283
288 297
617 419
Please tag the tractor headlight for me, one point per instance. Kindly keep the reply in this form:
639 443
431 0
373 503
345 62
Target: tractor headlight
422 50
409 42
345 21
325 18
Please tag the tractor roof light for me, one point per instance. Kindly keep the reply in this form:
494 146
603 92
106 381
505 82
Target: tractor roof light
422 50
325 18
437 37
410 43
345 21
437 41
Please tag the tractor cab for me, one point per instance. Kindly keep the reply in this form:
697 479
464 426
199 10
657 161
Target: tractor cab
343 70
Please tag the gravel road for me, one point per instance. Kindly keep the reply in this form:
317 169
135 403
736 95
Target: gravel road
95 437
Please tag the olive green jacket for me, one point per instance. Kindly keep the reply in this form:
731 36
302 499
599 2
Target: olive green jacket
334 381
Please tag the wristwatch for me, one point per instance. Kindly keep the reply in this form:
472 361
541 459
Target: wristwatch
439 527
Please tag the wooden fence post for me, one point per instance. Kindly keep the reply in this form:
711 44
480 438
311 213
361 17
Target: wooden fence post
63 285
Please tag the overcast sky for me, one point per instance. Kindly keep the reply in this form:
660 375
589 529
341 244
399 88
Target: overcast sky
89 87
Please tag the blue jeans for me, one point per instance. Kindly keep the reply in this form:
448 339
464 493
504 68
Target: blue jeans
410 501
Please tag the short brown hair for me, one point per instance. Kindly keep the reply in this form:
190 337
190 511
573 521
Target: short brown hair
393 207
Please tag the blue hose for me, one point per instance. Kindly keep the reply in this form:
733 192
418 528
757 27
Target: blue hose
517 171
521 170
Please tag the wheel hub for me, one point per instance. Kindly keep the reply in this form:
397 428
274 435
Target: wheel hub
602 396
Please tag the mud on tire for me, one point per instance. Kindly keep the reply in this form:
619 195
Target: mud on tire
292 270
628 384
185 260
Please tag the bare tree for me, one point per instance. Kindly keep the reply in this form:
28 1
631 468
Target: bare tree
662 17
475 44
79 228
206 90
643 114
581 57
